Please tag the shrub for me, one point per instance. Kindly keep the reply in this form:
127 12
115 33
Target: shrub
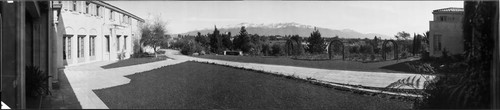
191 48
36 82
140 55
372 57
277 50
266 49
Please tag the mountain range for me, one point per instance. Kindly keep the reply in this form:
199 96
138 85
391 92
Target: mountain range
287 29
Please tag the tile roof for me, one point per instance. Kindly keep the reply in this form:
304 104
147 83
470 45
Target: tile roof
450 9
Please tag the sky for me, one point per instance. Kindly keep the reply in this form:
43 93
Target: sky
382 17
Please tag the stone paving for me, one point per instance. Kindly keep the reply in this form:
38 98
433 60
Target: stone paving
88 77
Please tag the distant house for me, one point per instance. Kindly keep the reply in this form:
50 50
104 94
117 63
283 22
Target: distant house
445 32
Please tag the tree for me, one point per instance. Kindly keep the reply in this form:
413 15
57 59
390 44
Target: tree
417 44
242 41
425 41
166 41
226 41
402 35
216 41
375 45
203 40
153 34
277 50
316 43
296 38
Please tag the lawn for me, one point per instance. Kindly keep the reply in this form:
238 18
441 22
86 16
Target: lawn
134 61
192 85
391 66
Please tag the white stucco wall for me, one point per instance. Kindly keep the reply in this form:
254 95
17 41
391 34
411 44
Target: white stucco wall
451 34
80 23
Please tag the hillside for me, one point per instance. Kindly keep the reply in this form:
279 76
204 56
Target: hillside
287 29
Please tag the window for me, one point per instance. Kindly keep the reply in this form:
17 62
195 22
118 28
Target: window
111 15
442 18
107 42
97 11
437 42
74 5
92 45
87 10
64 48
117 42
123 18
125 42
67 47
80 45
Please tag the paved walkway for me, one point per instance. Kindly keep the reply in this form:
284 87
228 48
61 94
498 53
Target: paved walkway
85 78
371 79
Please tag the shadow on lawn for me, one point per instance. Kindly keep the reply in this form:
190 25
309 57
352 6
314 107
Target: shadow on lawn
402 67
134 61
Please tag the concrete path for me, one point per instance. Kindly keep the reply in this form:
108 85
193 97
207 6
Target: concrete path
88 77
371 79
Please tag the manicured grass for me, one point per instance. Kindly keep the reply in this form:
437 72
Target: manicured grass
204 86
134 61
391 66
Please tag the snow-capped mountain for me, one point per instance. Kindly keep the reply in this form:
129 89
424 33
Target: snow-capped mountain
286 29
273 25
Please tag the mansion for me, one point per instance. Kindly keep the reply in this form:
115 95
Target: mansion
51 35
89 31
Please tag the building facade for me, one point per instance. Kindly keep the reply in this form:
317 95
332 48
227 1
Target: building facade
445 32
26 39
91 31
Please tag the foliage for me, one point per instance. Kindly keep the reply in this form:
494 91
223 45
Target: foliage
137 46
153 33
242 41
266 49
278 50
417 44
354 49
202 39
140 55
215 43
192 47
294 45
444 53
316 43
402 35
425 42
375 44
226 41
36 81
469 89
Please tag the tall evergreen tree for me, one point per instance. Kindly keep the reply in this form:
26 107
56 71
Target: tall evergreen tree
316 43
226 41
242 41
216 41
